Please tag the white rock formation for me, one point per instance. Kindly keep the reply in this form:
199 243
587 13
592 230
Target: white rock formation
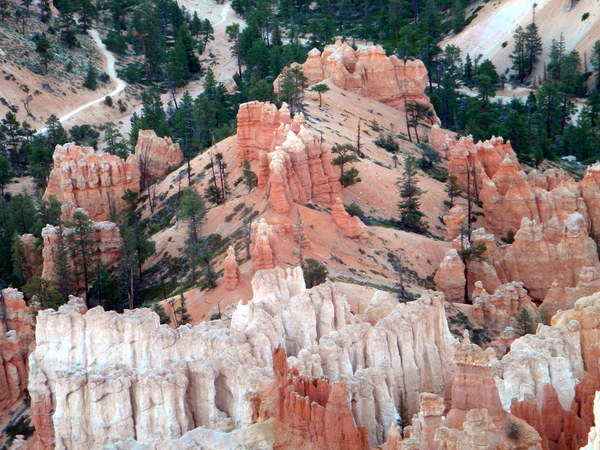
117 379
594 436
552 356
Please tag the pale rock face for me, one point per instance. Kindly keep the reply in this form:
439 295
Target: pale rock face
563 298
352 226
551 356
450 277
594 436
94 181
102 378
156 156
107 246
368 72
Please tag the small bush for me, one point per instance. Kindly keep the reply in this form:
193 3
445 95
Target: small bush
387 143
315 273
504 44
585 16
108 101
513 431
354 210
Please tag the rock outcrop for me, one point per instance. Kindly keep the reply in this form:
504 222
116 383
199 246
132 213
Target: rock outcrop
352 226
263 246
313 412
498 310
107 245
450 277
257 125
369 72
294 166
231 270
102 378
560 297
15 336
94 181
561 249
31 262
455 220
156 156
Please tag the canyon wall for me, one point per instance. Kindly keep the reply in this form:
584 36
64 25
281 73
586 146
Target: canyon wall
94 181
101 378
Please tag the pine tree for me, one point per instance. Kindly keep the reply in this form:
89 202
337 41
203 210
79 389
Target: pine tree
181 313
320 89
533 45
467 72
42 46
519 56
346 155
524 324
192 210
81 245
452 189
292 86
250 178
61 265
411 217
91 78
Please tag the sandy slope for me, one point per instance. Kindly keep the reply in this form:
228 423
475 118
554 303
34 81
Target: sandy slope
496 23
377 195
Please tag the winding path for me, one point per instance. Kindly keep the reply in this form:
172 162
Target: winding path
109 69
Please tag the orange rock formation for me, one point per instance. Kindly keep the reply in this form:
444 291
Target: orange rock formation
15 336
94 181
314 412
263 247
156 156
352 226
231 270
450 277
369 72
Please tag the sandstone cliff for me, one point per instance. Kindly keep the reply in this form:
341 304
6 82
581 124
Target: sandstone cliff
147 382
94 181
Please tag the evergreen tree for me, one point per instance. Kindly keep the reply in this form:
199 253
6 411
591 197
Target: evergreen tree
468 71
250 178
411 217
458 16
595 61
233 36
43 48
81 246
113 140
452 189
6 173
346 155
181 313
292 86
524 324
61 265
43 291
192 210
320 89
486 79
91 78
533 46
